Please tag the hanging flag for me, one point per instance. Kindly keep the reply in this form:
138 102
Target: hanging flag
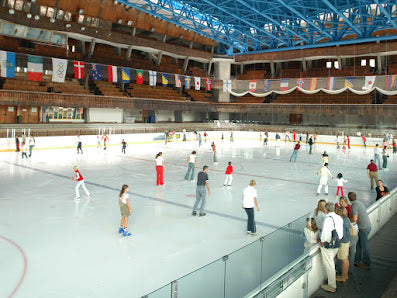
164 79
369 82
252 86
227 86
187 82
178 83
389 81
78 69
96 72
300 82
139 76
112 74
284 84
152 78
313 84
125 74
35 68
330 83
197 83
7 64
208 84
267 85
349 82
59 67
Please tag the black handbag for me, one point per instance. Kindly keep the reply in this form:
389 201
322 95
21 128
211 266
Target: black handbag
335 241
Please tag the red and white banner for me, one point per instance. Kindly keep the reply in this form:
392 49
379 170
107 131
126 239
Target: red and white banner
197 83
208 84
252 86
112 74
78 69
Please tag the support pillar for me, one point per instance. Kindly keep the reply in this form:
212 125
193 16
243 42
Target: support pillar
92 48
128 54
272 69
185 64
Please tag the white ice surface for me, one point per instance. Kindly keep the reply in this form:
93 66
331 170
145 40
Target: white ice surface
73 249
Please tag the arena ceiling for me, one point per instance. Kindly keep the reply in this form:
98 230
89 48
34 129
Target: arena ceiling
254 26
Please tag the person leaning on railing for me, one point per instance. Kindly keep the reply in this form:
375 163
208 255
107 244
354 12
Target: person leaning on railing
381 190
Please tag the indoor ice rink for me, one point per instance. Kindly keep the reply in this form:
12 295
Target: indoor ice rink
72 248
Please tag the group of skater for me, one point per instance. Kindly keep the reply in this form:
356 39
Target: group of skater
25 145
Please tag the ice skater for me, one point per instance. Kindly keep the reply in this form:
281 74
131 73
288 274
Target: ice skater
364 141
199 138
325 158
24 150
80 182
79 144
159 162
310 142
324 173
105 139
340 181
214 151
201 192
231 136
249 202
16 144
192 162
384 159
277 140
123 145
125 209
228 173
32 143
377 156
266 138
295 152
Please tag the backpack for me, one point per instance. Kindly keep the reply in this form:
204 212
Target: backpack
335 241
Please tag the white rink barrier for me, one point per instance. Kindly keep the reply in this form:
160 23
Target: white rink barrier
58 142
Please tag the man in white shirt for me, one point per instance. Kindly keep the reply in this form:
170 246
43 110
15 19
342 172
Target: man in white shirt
324 173
249 201
332 221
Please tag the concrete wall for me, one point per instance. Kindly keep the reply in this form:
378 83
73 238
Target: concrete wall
164 116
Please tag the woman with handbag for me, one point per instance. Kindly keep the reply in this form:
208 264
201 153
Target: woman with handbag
343 251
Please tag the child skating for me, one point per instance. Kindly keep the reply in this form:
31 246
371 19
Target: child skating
80 182
228 173
340 181
24 150
124 145
125 210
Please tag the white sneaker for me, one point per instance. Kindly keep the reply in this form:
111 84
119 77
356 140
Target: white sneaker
77 198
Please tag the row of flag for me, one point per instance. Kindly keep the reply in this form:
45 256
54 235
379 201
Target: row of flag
35 72
312 83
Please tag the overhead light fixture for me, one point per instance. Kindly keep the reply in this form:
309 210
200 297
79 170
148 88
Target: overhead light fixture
121 4
29 15
129 23
33 1
73 49
82 28
116 2
363 62
68 25
37 17
81 11
372 62
11 11
329 64
120 21
336 64
152 29
52 20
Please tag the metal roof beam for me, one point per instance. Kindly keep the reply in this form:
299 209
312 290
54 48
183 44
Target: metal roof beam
311 22
346 20
387 15
273 20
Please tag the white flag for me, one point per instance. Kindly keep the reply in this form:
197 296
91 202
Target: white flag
252 86
369 82
152 78
227 86
59 67
197 83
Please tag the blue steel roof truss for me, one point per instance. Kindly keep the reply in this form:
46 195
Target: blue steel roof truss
243 26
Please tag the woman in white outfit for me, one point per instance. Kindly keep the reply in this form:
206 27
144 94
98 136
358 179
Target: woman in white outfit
324 173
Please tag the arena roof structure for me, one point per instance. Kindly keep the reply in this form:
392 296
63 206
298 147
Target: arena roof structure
254 26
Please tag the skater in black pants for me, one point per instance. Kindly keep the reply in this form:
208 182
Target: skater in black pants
124 146
79 144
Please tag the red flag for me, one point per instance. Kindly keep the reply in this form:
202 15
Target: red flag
208 84
78 69
139 76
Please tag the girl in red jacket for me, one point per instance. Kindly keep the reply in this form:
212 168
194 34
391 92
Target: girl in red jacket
80 182
229 177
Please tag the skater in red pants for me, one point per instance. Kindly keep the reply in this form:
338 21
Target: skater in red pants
159 168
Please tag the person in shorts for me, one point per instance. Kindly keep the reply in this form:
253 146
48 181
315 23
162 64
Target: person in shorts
125 210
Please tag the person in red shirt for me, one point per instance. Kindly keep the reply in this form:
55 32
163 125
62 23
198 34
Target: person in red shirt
229 177
364 141
105 139
80 182
295 153
294 136
372 171
343 203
